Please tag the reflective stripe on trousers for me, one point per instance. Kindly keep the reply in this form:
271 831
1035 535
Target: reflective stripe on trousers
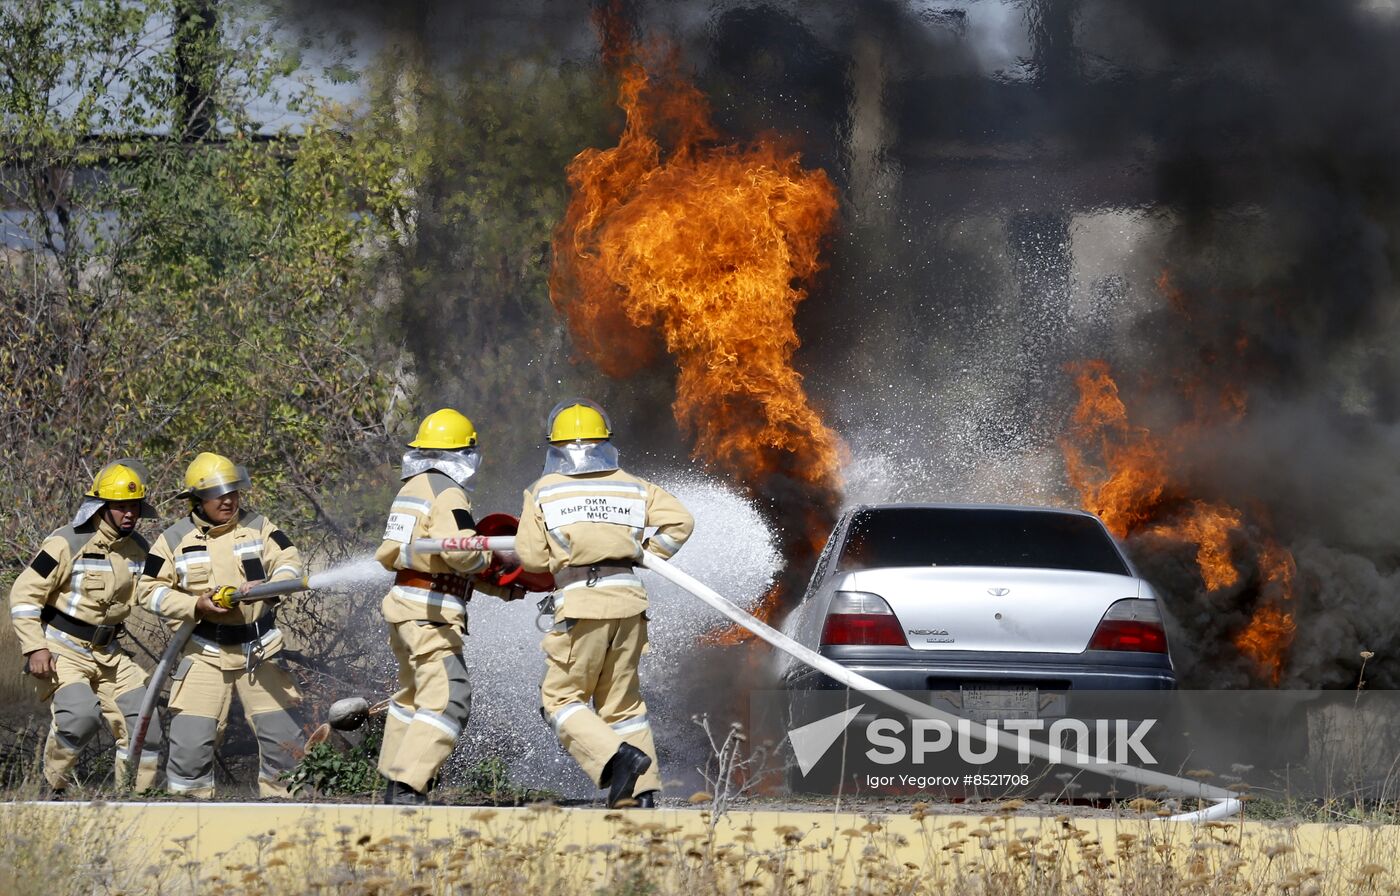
595 662
200 696
426 715
97 687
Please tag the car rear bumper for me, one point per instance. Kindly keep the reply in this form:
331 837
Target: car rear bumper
1090 671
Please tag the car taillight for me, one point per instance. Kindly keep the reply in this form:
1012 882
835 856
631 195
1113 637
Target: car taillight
860 619
1131 625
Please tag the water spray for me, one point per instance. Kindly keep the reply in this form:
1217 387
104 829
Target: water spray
1226 802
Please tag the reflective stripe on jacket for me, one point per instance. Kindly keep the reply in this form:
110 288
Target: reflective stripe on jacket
194 556
428 506
90 573
598 518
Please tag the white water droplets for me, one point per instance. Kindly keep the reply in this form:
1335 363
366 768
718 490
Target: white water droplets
362 571
731 550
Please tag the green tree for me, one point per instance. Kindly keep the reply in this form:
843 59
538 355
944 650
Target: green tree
495 137
167 289
163 296
179 276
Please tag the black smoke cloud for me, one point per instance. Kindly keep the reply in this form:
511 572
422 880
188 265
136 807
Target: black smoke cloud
1246 149
1272 157
1254 149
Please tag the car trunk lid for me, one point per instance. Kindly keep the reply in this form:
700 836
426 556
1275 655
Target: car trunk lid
995 608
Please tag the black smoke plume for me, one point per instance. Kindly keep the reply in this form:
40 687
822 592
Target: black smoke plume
1204 195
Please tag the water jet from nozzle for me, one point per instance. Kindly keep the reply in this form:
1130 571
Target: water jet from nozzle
263 591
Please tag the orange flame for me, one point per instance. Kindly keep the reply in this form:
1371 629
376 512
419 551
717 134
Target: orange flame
1209 526
1265 639
1175 297
706 244
1270 632
1126 492
1132 491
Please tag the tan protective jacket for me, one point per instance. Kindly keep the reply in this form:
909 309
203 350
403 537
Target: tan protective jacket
430 505
194 556
91 574
593 518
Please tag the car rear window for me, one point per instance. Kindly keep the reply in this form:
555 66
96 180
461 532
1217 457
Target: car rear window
935 536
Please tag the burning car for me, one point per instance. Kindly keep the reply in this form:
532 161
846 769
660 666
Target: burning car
999 611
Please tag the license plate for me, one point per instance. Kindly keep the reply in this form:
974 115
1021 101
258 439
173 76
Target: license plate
1000 703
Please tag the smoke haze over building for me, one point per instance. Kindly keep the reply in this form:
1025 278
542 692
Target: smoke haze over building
1205 197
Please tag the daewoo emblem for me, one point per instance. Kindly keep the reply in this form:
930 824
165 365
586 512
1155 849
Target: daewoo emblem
998 592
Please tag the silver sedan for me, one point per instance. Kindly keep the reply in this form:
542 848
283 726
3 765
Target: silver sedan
999 611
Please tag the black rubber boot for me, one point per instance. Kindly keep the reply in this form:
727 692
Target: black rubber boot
400 794
646 799
622 771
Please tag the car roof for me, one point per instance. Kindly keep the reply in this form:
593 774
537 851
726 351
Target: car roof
904 505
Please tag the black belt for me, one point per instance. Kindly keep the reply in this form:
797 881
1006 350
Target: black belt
96 635
237 634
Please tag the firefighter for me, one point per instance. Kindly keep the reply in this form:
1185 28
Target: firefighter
222 543
68 608
426 606
585 521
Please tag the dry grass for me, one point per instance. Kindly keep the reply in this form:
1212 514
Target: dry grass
15 688
46 853
652 858
531 852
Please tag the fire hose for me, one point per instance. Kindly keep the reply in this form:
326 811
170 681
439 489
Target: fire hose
225 597
1226 802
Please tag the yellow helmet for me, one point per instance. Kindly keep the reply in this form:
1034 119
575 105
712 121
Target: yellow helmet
445 428
117 482
212 475
577 419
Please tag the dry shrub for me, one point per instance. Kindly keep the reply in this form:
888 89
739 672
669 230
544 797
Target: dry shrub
495 852
44 852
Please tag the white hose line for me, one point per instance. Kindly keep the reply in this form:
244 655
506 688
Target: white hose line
497 543
1222 809
1227 802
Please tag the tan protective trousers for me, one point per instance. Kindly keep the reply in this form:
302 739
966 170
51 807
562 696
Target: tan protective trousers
596 660
101 687
431 706
200 697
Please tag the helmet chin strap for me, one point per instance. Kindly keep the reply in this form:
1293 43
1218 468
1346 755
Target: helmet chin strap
122 531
